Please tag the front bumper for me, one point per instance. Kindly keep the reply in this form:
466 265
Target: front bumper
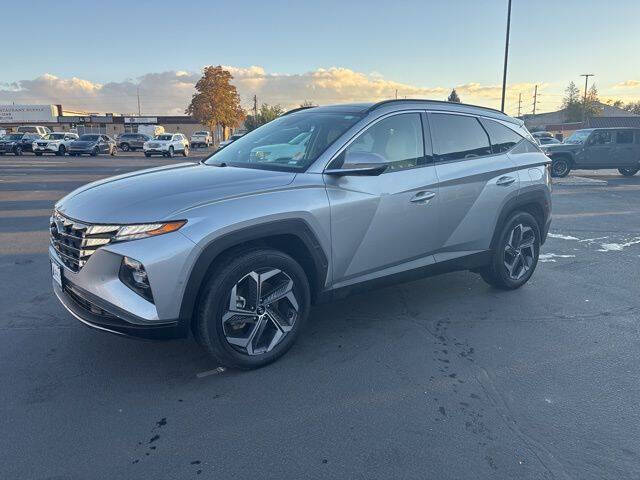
157 151
46 149
97 297
81 151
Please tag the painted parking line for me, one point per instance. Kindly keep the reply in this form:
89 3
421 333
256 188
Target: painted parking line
215 371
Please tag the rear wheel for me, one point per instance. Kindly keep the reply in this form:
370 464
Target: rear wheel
147 155
38 154
112 152
61 151
94 152
170 152
185 152
125 147
628 172
252 308
18 151
560 167
515 255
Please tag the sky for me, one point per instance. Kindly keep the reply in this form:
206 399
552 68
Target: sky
96 56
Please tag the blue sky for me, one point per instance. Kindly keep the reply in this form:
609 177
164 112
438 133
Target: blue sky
418 43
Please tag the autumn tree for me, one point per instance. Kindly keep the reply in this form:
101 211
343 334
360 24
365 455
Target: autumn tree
592 106
216 101
453 96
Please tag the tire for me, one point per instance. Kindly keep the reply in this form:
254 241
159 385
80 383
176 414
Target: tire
18 152
628 172
112 152
170 152
258 341
39 154
125 147
133 149
560 167
61 151
148 155
185 152
94 152
507 250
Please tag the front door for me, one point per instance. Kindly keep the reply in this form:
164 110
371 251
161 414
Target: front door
599 150
387 223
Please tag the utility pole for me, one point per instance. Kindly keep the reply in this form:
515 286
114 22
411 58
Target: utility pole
519 103
535 99
584 105
506 56
138 90
396 93
255 107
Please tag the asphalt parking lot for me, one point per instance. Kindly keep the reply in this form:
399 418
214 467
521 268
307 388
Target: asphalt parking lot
442 378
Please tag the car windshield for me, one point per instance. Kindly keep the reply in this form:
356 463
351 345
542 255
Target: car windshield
201 133
55 136
15 136
290 143
578 137
89 138
163 137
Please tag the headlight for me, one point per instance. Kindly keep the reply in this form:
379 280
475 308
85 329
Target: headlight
134 232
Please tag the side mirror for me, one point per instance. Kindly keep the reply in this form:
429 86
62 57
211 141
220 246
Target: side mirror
360 163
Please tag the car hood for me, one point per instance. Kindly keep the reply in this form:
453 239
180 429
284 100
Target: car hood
560 147
161 193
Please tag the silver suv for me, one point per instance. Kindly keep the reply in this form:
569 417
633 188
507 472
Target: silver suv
318 203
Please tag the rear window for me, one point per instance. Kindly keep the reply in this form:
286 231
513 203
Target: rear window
502 138
624 136
458 137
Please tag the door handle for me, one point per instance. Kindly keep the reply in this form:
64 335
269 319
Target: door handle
422 197
505 181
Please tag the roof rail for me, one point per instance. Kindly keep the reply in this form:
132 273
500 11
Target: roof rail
414 100
298 109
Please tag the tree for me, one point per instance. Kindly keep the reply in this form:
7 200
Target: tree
453 96
633 107
265 115
216 101
571 103
592 106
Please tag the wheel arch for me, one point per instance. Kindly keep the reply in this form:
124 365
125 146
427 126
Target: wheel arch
291 236
536 202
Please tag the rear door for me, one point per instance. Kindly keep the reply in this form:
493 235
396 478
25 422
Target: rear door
388 223
626 151
476 179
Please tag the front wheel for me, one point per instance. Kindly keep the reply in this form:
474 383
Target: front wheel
515 255
185 152
560 167
94 152
38 154
61 151
147 155
18 151
125 147
170 152
628 172
252 308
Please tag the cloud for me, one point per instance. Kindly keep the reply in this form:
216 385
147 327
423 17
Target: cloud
628 84
169 92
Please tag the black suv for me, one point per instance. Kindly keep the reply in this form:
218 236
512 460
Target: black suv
17 143
132 141
597 148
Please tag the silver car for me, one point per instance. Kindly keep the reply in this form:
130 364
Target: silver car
236 249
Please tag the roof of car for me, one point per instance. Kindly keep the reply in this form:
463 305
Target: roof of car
364 108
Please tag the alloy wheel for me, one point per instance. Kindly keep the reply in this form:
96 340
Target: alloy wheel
262 310
519 253
560 168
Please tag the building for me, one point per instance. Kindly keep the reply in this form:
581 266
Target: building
59 119
556 122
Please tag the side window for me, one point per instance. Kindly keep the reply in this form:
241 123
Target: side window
601 138
625 136
458 137
502 138
398 139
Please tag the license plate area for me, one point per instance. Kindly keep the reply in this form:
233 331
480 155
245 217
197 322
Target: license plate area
56 273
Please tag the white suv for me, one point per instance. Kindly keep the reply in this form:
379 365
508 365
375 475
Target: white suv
167 145
56 142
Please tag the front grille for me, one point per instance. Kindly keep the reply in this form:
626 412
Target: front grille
42 144
154 145
75 242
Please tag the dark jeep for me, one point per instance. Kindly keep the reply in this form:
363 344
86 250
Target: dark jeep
596 148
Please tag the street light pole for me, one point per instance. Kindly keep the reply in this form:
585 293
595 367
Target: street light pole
584 104
506 56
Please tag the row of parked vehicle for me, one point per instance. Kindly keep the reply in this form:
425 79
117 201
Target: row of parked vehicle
63 143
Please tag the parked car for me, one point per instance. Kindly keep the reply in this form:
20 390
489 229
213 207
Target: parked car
235 249
17 143
92 144
167 145
547 140
38 129
294 147
202 138
56 142
542 135
132 141
230 140
597 148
